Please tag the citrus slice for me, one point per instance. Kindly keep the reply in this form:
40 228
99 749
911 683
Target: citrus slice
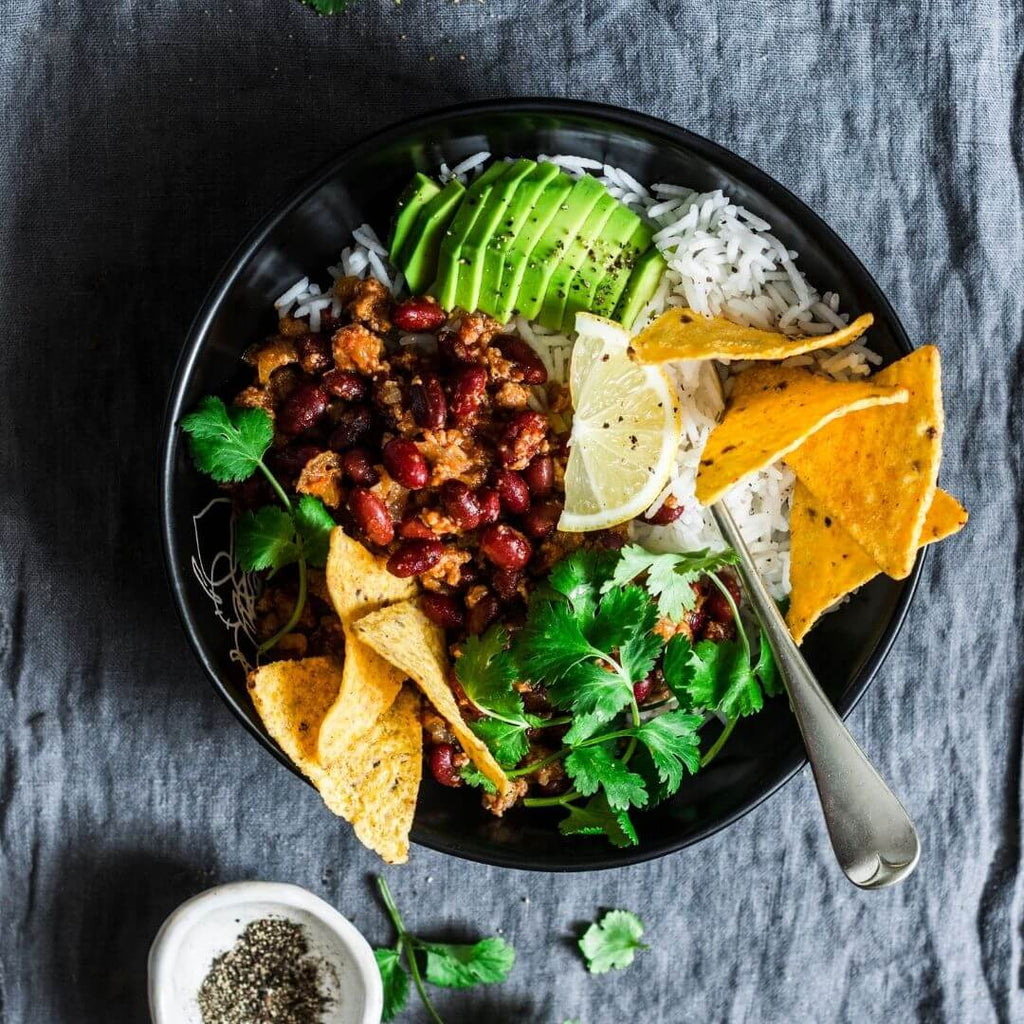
625 430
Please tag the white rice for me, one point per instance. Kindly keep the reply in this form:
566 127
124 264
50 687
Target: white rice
722 260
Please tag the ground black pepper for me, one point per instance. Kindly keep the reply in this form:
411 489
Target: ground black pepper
267 977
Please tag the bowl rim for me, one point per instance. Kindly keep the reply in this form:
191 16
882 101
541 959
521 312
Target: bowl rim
702 147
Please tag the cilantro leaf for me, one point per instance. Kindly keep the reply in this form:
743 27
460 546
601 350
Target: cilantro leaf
638 655
594 767
314 524
507 742
552 643
597 818
396 981
486 672
767 671
592 690
583 727
669 574
612 942
673 742
265 539
623 613
464 965
579 578
227 444
472 776
712 676
328 6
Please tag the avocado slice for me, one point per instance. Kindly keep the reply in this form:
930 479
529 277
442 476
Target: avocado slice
519 209
471 264
513 268
447 279
417 257
414 197
602 255
614 282
553 308
642 284
552 247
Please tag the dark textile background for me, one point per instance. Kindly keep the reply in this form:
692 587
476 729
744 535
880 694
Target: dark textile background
139 142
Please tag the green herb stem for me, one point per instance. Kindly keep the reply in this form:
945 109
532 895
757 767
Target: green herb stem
300 603
407 942
719 743
278 489
552 801
735 612
529 769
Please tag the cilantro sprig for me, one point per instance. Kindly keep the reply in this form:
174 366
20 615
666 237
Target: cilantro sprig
612 942
230 445
444 964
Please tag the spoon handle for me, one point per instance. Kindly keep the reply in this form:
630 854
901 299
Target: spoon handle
873 838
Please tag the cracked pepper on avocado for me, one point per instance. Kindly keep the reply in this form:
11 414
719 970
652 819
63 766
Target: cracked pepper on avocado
474 477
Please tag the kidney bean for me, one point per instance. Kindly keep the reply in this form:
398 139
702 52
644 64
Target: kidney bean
512 490
460 505
540 475
541 520
305 407
668 513
482 614
521 439
468 389
315 353
506 547
354 427
371 516
506 583
428 404
642 689
358 464
346 384
414 557
444 610
418 314
414 527
716 606
288 461
403 461
442 766
527 361
490 504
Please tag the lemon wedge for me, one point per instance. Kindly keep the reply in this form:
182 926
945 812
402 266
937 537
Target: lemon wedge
625 430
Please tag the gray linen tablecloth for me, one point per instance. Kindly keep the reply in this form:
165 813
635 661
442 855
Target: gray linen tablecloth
139 142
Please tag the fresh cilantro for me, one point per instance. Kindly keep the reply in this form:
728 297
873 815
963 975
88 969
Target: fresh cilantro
767 671
486 672
265 539
597 818
228 444
623 614
463 966
712 676
447 965
395 981
580 576
552 643
594 767
669 576
592 690
314 524
507 742
673 744
328 6
472 776
612 941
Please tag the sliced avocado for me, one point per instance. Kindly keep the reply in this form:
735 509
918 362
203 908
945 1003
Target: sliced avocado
553 307
602 255
642 284
614 282
519 209
414 197
417 257
553 245
447 279
471 264
513 268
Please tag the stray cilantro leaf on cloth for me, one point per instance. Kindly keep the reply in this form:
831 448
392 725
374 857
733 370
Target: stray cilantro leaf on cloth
594 767
265 539
395 981
328 6
227 444
612 942
597 818
463 966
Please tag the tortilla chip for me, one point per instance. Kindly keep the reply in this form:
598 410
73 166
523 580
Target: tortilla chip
359 582
404 635
772 411
826 563
875 472
374 787
684 334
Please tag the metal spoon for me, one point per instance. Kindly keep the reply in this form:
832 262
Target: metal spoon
873 838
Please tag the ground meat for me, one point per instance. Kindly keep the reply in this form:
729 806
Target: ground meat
392 493
389 401
328 638
554 549
316 583
498 805
454 454
271 355
470 336
291 647
719 631
291 326
255 398
356 348
512 396
282 383
435 726
438 523
322 477
345 288
448 571
370 304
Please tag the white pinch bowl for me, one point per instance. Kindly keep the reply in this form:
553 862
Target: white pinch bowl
210 923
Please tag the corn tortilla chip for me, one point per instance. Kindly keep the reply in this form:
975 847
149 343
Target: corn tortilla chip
374 787
404 635
772 411
359 582
684 334
826 563
875 471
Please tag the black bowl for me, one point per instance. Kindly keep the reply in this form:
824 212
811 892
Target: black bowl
305 234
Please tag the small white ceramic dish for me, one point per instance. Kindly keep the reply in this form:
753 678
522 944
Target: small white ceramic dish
208 924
